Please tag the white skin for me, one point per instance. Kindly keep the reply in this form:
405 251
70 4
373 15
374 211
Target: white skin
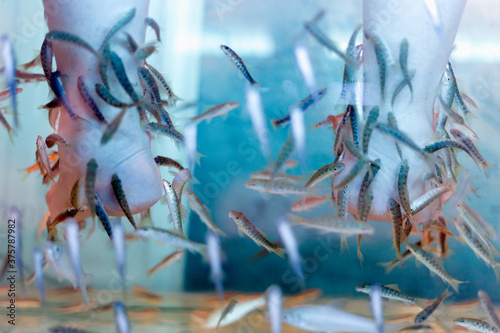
128 153
428 55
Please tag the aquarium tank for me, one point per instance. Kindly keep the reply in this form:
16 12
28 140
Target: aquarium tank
249 166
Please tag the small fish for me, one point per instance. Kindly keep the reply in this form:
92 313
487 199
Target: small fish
119 247
326 318
167 131
323 173
61 217
103 63
401 85
319 35
121 74
236 60
392 294
275 187
255 234
58 89
303 105
365 186
477 224
167 261
403 63
399 136
174 205
448 143
239 310
216 111
266 174
170 95
433 265
227 310
254 108
71 233
215 261
308 203
46 56
368 129
9 129
202 211
335 224
477 247
171 237
283 156
151 85
425 313
152 23
292 249
458 96
116 184
129 15
84 92
103 216
9 63
121 318
474 152
489 308
90 179
274 301
41 151
105 94
382 68
342 206
69 38
397 224
475 324
355 170
402 186
112 127
381 45
425 199
166 161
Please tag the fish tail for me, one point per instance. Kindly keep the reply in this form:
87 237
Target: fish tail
12 134
275 123
496 269
455 284
255 84
344 245
280 251
422 302
487 168
387 265
360 255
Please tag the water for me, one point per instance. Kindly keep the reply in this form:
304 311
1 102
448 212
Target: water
199 72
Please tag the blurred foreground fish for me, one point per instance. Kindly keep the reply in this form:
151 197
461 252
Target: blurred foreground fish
9 63
216 111
215 261
299 134
274 302
255 234
277 187
121 318
326 318
292 248
38 267
190 140
118 239
240 310
71 233
308 203
331 223
171 237
377 306
254 108
489 308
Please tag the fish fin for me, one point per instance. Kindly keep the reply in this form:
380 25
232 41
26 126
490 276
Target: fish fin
344 245
275 123
496 269
255 84
393 286
360 255
455 284
387 265
486 169
241 233
422 302
338 303
280 251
